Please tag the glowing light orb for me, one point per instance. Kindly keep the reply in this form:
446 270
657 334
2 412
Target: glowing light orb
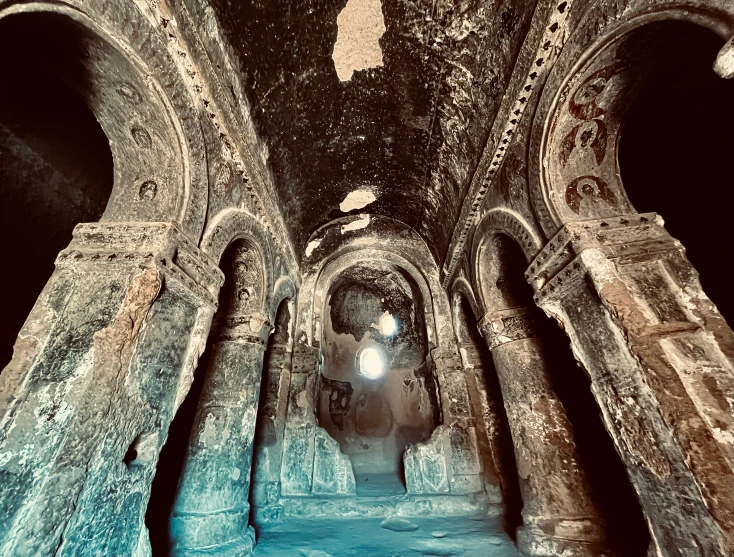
387 325
371 363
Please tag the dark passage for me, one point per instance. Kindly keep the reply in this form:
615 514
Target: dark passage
676 148
55 161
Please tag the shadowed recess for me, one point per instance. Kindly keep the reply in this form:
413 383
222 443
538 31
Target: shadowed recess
55 160
675 152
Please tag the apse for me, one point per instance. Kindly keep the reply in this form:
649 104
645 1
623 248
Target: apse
377 395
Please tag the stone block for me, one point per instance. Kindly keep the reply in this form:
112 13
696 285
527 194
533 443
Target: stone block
332 470
296 473
425 465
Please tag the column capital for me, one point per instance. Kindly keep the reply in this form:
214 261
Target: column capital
159 245
253 328
632 237
508 325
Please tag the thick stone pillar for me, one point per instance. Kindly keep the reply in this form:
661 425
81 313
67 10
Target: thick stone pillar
101 364
559 515
211 513
660 360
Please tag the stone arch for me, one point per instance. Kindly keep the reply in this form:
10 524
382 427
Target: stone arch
283 289
339 244
341 263
573 167
373 233
461 287
508 224
157 144
232 224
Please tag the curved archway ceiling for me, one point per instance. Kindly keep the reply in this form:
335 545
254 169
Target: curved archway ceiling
410 131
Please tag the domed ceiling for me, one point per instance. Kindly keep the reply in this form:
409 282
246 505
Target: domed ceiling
405 128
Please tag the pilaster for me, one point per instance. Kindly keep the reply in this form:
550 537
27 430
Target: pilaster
100 366
660 360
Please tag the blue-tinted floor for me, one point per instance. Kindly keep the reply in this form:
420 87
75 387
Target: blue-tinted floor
388 537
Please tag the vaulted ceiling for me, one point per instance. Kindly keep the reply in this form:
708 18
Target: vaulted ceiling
411 131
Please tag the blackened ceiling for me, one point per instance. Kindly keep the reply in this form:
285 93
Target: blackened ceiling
411 131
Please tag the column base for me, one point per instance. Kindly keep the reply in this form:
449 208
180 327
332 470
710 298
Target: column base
239 547
547 537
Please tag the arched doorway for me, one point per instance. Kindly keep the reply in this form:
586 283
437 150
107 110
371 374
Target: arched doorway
377 394
55 161
676 143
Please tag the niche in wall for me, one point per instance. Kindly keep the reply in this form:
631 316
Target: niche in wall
55 160
376 307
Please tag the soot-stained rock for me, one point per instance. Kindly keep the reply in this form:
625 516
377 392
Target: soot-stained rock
410 131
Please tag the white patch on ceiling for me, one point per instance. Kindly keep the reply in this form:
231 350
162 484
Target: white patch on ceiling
312 245
356 199
387 326
356 224
357 46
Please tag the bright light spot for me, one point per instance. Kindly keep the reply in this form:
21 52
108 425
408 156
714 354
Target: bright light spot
387 324
371 363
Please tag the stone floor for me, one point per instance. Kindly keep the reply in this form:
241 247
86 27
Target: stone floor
387 537
371 485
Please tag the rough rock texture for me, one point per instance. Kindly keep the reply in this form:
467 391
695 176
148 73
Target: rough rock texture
474 125
641 288
410 131
82 365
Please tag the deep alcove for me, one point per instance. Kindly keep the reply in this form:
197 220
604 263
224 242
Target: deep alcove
676 145
55 160
374 307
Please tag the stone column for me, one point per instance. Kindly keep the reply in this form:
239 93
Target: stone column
449 461
101 364
490 430
559 516
296 474
660 360
211 513
269 434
